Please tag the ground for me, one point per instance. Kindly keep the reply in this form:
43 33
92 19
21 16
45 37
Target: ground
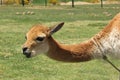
88 3
81 23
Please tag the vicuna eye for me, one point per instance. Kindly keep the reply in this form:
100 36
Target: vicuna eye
40 38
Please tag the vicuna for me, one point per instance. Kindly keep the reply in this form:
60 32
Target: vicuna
107 42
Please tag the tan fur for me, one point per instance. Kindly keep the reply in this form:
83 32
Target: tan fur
101 43
69 53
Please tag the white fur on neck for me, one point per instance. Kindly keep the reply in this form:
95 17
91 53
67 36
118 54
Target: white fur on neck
109 45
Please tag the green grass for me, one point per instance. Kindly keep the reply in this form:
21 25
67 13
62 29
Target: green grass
81 23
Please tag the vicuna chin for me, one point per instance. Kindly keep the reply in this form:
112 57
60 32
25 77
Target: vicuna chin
107 42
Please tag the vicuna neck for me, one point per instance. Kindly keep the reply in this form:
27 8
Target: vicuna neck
70 53
106 41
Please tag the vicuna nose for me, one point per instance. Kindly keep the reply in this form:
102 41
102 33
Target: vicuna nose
24 50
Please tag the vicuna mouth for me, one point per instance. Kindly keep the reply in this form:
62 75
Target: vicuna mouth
28 55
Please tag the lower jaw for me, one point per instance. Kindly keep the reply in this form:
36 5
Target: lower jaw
28 55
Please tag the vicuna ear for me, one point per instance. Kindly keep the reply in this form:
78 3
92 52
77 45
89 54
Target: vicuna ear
55 28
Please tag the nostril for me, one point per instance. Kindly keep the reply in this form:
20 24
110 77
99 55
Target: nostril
26 52
24 49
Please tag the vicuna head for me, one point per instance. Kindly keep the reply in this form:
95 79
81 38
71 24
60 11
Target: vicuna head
37 39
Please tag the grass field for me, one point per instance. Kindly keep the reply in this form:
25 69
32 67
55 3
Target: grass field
81 23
